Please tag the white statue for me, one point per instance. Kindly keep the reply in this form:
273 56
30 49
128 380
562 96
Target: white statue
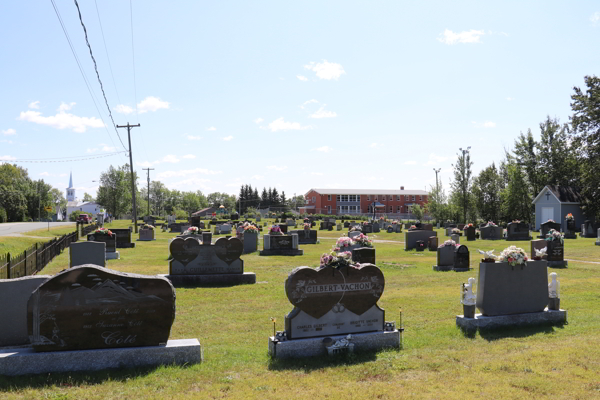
468 298
554 286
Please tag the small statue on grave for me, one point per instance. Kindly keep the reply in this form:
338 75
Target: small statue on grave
468 297
554 286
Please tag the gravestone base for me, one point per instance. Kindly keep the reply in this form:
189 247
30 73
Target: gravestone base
143 240
24 360
442 267
212 279
558 264
517 239
112 255
311 347
546 317
598 243
461 269
281 252
570 236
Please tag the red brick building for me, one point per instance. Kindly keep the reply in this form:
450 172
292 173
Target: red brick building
362 201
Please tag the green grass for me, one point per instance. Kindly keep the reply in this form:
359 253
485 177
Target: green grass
53 231
437 361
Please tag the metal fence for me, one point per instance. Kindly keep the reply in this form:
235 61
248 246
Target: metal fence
35 258
88 229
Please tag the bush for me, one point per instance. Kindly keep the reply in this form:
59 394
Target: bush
180 214
3 216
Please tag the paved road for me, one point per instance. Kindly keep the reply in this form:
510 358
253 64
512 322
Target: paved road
15 228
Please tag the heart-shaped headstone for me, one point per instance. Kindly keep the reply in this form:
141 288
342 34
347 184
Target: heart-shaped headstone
184 250
229 250
316 291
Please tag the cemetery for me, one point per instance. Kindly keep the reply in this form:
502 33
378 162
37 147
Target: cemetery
322 328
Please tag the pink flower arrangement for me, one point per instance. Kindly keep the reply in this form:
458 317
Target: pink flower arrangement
344 242
103 231
192 230
307 225
275 230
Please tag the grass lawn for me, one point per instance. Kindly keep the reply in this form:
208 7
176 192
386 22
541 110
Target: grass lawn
437 361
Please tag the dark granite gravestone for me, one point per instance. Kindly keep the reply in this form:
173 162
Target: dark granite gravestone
538 244
110 241
376 228
470 233
461 258
90 307
201 225
81 253
189 257
390 229
588 229
427 227
123 238
281 242
420 245
411 238
517 231
364 255
284 228
461 226
570 229
281 245
491 233
146 235
306 236
367 228
556 254
445 258
250 242
330 301
346 224
546 226
432 243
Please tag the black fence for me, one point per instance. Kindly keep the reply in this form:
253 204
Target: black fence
85 230
36 257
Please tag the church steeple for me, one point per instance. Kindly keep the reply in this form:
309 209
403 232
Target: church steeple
71 181
71 189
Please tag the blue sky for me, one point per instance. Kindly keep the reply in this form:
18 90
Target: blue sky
287 94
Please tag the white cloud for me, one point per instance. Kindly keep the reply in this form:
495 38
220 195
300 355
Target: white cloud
510 98
316 173
276 168
228 138
103 148
62 120
169 158
323 114
595 18
192 137
410 162
189 156
323 149
186 172
6 141
302 78
34 104
449 37
326 70
151 103
65 107
123 109
435 159
44 173
257 177
258 120
145 164
211 128
280 125
9 131
373 145
7 158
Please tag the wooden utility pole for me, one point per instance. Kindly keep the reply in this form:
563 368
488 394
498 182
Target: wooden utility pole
135 225
148 169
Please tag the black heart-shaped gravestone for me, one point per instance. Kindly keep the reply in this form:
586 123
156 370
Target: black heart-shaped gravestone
316 291
229 250
184 250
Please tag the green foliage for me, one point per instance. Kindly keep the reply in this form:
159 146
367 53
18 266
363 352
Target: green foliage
461 186
516 197
487 198
115 191
180 214
75 214
87 197
3 217
417 211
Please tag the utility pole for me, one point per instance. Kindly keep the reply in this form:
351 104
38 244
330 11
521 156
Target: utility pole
135 226
148 169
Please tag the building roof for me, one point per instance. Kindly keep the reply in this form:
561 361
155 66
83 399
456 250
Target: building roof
564 194
370 191
197 213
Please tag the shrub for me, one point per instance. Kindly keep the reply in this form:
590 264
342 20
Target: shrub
3 216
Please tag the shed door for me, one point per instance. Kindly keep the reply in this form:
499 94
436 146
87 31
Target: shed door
547 213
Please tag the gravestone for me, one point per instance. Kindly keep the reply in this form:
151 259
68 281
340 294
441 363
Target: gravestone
570 229
517 231
427 227
546 226
537 244
225 229
556 254
445 258
354 234
284 228
111 252
290 222
588 229
258 218
420 245
598 238
16 293
470 233
339 227
201 225
364 255
461 258
194 262
461 226
81 253
145 235
376 228
176 227
491 233
346 224
91 307
306 236
411 238
281 245
390 229
124 238
250 242
367 228
455 237
432 243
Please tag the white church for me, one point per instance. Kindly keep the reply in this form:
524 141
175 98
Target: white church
75 205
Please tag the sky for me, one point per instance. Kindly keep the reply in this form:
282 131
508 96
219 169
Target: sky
293 95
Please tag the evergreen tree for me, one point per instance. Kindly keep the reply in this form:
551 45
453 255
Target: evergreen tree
461 186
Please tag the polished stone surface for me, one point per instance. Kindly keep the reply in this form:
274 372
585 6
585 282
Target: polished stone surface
480 321
411 237
190 257
123 238
364 255
24 360
212 279
491 233
306 236
517 231
90 307
81 253
111 241
461 258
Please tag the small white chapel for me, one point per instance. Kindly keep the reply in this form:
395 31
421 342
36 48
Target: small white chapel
73 204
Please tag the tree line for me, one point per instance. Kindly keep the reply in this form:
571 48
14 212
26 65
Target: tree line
566 154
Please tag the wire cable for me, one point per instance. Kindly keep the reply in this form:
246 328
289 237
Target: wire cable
106 50
62 159
97 73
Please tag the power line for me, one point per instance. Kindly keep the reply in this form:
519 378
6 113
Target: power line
97 73
106 50
92 95
62 159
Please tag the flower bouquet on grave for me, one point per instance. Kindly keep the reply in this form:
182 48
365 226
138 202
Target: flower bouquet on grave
412 228
448 243
250 228
456 231
307 225
553 234
103 231
343 243
337 260
516 221
550 220
275 230
490 223
467 226
306 221
363 240
569 217
147 226
192 230
489 256
514 256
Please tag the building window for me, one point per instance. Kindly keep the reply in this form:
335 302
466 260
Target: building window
398 198
420 198
382 197
338 197
368 197
391 209
399 209
413 198
328 197
314 199
406 197
328 209
376 198
344 197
